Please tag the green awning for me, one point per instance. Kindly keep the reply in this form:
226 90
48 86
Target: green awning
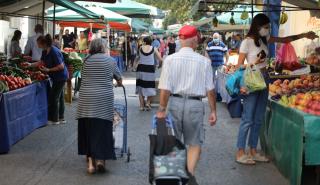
225 17
70 15
156 30
139 26
75 7
34 7
125 7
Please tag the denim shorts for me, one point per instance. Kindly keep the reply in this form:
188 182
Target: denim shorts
188 117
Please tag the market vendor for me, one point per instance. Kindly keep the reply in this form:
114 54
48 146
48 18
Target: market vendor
254 49
15 49
32 48
82 42
52 62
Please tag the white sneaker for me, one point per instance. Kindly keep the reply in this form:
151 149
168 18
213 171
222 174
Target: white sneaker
62 121
53 123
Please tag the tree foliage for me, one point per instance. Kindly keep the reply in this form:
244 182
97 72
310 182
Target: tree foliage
179 10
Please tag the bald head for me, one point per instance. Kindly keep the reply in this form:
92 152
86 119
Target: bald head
190 42
216 36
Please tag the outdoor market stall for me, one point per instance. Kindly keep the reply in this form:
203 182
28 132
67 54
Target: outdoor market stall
292 138
23 93
23 104
291 132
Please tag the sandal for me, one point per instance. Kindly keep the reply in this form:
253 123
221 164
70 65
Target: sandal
141 109
148 107
101 166
260 158
246 160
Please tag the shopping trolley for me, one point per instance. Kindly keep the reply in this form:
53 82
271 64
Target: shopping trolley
121 133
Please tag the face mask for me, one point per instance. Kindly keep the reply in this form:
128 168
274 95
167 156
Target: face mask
264 32
216 41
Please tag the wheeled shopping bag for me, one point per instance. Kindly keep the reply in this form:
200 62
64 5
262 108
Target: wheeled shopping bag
120 128
168 156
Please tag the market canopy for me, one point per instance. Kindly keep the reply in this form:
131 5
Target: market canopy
225 17
34 7
139 26
113 25
106 15
224 20
124 7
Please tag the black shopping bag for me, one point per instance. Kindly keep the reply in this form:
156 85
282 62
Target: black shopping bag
162 144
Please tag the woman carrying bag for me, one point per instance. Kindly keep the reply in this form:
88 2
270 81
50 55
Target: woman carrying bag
254 49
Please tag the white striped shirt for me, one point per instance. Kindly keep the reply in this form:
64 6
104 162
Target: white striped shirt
96 98
187 73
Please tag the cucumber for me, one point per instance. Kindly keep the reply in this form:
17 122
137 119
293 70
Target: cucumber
3 87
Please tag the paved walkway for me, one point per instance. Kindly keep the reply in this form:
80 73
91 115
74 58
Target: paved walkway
49 155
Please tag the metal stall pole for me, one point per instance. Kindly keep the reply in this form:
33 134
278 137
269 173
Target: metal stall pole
268 8
126 48
54 20
252 9
43 11
108 39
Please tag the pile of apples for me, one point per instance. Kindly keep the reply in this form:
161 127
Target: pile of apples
307 102
302 84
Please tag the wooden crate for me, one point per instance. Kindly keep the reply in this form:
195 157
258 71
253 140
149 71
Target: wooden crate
68 92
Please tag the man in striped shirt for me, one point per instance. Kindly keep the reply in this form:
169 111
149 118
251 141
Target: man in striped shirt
185 79
216 51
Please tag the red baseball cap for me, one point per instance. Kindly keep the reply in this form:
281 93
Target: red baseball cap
187 32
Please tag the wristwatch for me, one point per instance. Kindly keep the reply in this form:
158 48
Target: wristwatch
161 109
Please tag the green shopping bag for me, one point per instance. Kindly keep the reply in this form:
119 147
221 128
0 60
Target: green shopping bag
253 79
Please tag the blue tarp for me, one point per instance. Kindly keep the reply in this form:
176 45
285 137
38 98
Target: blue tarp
274 18
21 112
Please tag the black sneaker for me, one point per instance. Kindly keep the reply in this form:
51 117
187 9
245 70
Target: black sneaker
192 180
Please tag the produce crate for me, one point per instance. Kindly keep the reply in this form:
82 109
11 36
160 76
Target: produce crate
68 87
314 68
282 77
68 92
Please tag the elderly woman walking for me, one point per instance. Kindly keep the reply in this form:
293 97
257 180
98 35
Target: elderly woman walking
95 108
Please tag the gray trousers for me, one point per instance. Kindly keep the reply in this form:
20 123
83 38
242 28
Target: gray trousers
188 117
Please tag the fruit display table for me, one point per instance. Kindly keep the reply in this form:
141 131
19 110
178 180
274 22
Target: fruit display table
291 138
21 112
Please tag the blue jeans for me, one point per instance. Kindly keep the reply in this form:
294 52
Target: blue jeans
254 108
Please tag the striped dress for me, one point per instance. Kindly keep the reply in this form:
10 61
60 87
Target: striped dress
146 77
96 98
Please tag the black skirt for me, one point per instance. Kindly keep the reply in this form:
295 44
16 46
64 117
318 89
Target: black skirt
95 138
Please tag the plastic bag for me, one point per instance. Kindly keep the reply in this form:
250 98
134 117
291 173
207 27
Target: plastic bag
287 57
233 83
311 48
253 79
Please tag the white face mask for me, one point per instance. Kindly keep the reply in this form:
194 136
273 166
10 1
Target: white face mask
264 32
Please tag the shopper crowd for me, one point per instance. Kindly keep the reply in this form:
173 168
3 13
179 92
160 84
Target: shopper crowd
187 76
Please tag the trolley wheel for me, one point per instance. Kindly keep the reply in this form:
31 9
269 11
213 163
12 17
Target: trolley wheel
128 155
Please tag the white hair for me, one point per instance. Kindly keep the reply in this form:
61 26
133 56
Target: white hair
98 45
216 35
